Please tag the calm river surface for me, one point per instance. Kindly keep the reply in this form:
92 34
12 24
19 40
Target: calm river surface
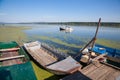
73 41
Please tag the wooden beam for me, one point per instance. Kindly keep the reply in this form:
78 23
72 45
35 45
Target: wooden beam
84 47
9 49
14 57
91 41
94 39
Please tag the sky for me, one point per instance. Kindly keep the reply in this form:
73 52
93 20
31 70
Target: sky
59 10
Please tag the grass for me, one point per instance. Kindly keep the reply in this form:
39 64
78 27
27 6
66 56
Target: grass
42 74
8 33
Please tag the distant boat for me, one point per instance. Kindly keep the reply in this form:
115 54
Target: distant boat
11 53
61 28
66 29
112 54
51 59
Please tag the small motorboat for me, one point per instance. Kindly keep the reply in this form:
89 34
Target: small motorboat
66 29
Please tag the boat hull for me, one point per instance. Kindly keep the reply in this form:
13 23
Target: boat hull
62 28
113 59
12 54
53 66
112 54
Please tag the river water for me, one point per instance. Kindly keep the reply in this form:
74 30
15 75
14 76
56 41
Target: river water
71 42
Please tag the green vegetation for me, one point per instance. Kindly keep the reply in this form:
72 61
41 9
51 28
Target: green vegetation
55 40
108 43
42 74
8 33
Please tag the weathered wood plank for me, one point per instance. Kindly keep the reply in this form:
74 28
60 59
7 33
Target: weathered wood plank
13 57
101 72
88 69
10 49
12 61
42 56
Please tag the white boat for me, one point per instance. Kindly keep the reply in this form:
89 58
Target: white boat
66 29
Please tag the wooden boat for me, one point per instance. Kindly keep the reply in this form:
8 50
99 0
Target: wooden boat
51 59
11 53
112 54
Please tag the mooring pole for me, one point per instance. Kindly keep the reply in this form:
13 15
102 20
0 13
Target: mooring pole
96 32
91 41
94 39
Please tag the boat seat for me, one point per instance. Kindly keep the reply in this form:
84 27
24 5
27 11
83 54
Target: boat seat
9 49
13 57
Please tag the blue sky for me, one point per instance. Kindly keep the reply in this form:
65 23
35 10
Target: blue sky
59 10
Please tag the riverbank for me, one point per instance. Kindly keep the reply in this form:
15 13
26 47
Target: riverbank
12 33
8 33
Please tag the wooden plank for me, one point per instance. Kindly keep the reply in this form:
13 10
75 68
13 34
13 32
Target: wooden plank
12 61
42 56
98 73
9 49
88 69
14 57
101 72
110 75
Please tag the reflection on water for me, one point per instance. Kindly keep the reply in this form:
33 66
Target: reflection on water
74 40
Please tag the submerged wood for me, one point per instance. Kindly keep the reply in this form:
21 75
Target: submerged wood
51 59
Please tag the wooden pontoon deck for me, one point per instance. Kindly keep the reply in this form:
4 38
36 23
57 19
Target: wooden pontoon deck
101 72
95 71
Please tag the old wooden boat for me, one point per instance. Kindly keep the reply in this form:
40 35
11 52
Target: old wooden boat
11 53
112 54
51 59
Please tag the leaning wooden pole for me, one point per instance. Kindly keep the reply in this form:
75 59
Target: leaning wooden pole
91 41
94 39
